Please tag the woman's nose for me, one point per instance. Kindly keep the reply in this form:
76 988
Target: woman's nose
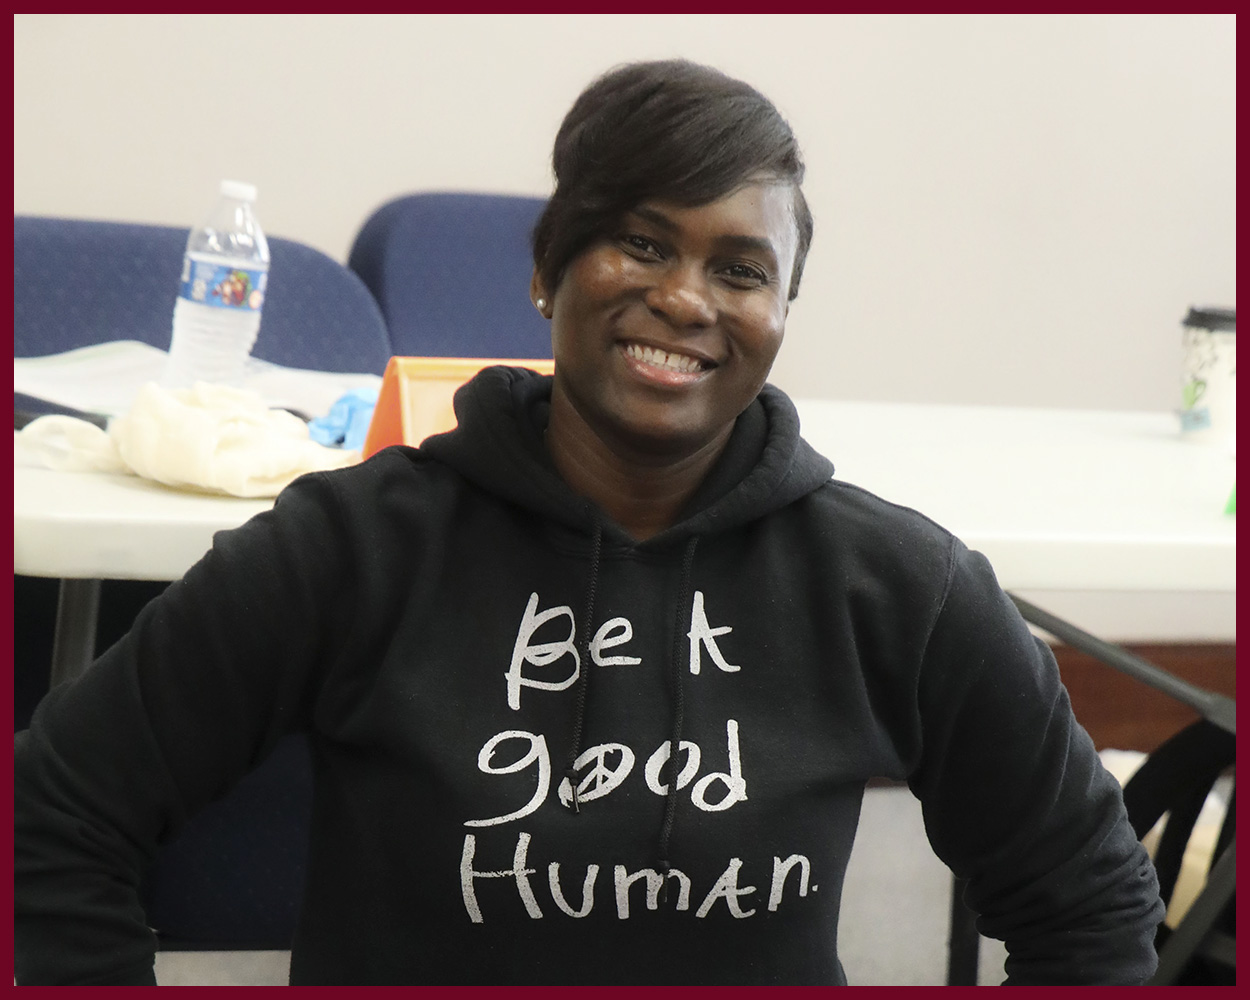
683 297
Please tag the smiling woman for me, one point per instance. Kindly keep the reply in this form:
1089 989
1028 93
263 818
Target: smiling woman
663 333
595 682
666 260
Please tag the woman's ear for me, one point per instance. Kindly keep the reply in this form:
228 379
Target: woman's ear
539 296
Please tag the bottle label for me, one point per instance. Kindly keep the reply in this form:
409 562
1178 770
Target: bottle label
221 286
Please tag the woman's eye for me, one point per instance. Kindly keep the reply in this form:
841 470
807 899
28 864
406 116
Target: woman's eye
640 245
745 274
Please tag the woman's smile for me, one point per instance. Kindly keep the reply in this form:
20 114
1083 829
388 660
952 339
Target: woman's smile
666 368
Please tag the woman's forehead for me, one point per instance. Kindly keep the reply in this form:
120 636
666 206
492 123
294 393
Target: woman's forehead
760 210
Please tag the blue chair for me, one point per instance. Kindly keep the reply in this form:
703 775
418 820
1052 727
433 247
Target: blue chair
233 877
78 282
451 273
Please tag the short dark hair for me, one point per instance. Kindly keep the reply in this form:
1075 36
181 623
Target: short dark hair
672 130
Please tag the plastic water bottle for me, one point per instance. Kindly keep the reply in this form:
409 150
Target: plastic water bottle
222 292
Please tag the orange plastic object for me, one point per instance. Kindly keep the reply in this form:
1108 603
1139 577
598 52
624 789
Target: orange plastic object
415 399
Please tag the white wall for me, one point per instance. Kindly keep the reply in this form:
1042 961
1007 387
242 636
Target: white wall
1010 209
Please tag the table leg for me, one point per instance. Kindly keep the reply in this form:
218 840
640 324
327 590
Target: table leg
73 645
964 941
1187 940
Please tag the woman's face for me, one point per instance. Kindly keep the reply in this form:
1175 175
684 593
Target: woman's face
665 329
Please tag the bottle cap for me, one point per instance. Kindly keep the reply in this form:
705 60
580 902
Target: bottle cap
1207 318
238 189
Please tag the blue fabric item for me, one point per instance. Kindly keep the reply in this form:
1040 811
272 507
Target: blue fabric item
451 274
347 423
78 282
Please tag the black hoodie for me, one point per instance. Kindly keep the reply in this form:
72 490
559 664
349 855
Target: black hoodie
491 674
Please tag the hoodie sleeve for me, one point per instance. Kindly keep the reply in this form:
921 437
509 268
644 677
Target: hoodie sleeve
1016 799
213 673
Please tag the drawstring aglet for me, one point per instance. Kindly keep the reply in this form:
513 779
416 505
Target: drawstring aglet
665 868
571 774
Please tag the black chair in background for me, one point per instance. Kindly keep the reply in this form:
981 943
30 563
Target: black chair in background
1172 784
233 877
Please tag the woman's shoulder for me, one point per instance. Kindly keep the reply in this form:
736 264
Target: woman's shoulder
398 486
872 537
861 511
397 465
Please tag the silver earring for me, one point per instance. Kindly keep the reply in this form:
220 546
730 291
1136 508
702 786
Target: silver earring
540 304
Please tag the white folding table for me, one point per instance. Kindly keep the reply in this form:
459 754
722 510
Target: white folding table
1058 500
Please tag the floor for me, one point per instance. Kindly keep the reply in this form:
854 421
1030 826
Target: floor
895 914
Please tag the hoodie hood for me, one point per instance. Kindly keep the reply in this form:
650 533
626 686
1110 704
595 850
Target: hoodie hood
498 445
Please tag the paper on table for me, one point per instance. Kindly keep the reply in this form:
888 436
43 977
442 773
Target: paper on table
104 378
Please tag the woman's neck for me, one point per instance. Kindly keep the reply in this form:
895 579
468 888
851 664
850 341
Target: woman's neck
641 489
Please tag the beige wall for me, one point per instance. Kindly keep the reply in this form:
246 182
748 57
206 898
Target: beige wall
1010 209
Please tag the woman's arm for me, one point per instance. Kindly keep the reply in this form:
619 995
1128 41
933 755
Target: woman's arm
1017 801
210 677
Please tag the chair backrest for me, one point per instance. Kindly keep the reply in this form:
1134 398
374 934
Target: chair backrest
1174 784
451 273
78 282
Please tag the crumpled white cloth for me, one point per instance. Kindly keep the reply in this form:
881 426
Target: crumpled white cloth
208 437
68 444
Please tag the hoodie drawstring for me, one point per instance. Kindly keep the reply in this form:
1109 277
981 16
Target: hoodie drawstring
583 680
674 743
678 694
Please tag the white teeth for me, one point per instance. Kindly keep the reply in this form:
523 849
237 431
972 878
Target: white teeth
664 359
